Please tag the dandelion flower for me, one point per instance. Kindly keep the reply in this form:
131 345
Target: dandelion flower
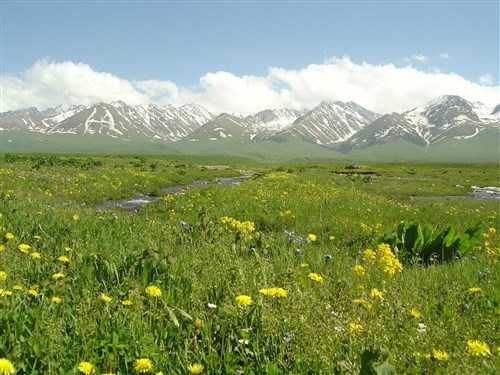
195 369
304 265
76 217
6 367
3 275
243 300
415 313
24 248
143 365
478 348
331 238
63 258
492 230
312 237
439 355
474 289
127 302
376 294
58 276
316 277
274 292
354 327
2 247
153 291
17 287
38 238
56 299
68 248
8 236
35 255
358 270
198 323
105 298
362 303
33 292
86 367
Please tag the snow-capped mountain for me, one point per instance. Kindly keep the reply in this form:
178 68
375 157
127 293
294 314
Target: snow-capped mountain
343 125
330 123
446 117
116 119
256 127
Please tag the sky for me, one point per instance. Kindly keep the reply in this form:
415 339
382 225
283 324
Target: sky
246 56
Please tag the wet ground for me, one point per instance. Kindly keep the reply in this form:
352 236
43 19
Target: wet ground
135 203
482 193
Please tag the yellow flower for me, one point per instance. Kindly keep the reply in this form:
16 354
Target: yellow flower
439 355
311 237
24 248
198 323
274 292
35 255
415 313
159 373
17 287
68 248
127 302
358 270
243 300
153 291
331 238
362 303
63 258
316 277
6 367
143 365
474 289
369 254
376 294
8 236
38 238
492 230
478 348
105 298
58 276
86 367
33 292
195 369
354 327
304 265
76 217
3 275
56 299
2 247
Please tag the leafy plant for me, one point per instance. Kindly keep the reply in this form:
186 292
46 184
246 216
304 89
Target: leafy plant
412 243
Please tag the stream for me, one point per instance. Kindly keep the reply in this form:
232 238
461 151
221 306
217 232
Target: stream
135 203
481 193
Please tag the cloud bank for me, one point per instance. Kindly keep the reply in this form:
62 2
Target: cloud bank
382 88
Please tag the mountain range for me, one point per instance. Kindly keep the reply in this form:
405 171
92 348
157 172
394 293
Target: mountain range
341 125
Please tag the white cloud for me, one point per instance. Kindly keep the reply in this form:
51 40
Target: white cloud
48 84
444 55
417 57
382 88
486 80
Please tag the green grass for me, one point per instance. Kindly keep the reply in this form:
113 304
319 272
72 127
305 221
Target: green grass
482 148
183 245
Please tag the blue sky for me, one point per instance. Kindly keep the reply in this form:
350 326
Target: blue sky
173 46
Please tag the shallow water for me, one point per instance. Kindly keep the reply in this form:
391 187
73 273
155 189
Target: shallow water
135 203
481 193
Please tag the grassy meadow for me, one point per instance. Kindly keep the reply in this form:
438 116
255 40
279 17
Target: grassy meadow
300 269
